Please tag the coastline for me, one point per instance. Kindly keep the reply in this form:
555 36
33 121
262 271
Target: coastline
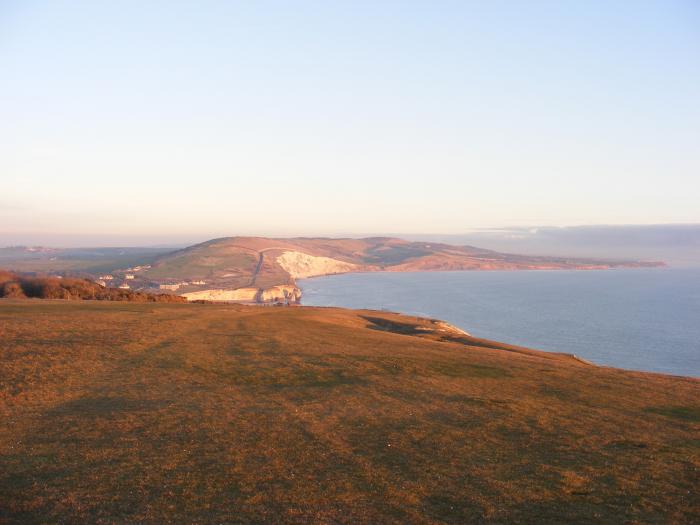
613 319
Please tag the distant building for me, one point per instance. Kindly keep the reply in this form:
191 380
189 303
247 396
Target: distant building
171 287
124 286
129 276
198 282
106 277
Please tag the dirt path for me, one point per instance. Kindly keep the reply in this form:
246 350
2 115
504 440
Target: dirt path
261 260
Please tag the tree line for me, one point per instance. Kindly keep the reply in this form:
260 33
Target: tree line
13 285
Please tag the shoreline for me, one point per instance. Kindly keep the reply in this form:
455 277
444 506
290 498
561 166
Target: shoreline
590 336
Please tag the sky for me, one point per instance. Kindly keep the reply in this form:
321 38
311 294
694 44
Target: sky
166 120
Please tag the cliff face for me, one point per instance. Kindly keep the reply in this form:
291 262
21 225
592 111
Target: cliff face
238 294
300 265
274 294
282 293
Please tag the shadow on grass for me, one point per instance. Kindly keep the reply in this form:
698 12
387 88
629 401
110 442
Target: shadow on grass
386 325
468 370
102 406
685 413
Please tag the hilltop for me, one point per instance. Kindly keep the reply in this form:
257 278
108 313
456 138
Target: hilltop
259 269
172 413
262 269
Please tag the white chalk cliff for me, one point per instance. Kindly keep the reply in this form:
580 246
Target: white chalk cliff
300 265
239 294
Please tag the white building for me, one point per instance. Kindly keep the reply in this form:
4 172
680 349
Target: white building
124 286
129 276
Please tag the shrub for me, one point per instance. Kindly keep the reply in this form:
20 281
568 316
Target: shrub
20 286
11 289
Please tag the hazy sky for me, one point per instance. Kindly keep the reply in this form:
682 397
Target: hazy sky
218 118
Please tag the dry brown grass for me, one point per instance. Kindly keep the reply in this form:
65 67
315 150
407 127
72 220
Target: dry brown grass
169 413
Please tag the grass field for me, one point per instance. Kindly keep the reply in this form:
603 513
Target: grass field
189 413
76 260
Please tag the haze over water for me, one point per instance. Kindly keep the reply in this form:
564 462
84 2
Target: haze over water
640 319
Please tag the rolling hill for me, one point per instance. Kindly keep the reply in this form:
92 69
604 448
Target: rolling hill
202 413
258 269
261 269
74 261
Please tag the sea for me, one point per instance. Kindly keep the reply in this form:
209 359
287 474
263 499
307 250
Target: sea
641 319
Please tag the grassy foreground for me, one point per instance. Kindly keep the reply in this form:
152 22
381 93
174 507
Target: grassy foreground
158 413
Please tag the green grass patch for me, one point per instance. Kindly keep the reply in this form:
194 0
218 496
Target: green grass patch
684 413
468 370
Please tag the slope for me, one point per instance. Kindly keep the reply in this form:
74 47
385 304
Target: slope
270 266
157 413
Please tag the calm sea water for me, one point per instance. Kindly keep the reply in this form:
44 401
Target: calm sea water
641 319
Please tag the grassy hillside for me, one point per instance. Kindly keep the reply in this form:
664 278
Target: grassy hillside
254 262
164 413
75 260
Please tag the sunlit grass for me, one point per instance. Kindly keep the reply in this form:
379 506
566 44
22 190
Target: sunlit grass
123 412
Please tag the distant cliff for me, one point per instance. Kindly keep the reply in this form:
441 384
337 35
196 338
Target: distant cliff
257 269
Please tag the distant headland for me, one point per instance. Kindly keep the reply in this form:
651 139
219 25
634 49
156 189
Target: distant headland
265 270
